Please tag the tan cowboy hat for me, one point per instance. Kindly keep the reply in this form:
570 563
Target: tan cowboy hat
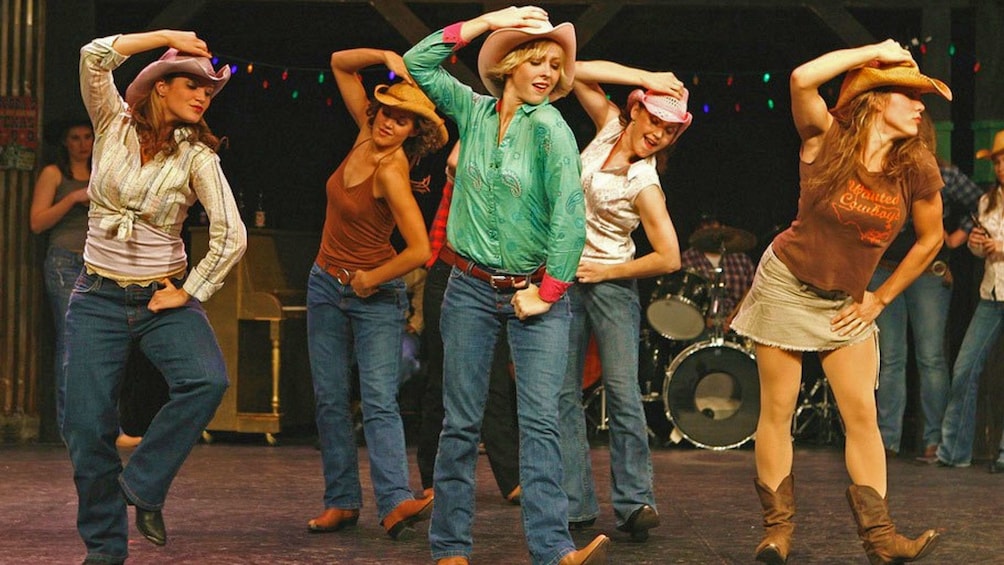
174 63
502 41
409 98
862 79
996 149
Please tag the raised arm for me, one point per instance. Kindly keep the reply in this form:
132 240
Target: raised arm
346 66
808 109
184 41
590 74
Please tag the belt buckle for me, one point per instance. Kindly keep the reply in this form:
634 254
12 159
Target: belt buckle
939 268
494 281
343 273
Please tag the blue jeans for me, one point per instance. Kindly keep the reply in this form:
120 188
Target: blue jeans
473 313
342 328
103 322
957 430
610 310
924 306
62 267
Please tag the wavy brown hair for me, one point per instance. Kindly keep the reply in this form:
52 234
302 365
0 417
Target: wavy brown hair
842 150
147 113
426 138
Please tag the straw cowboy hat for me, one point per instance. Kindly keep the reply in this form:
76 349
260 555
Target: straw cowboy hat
172 63
502 41
862 79
404 96
996 149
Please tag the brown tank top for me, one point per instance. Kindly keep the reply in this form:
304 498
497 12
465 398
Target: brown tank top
357 226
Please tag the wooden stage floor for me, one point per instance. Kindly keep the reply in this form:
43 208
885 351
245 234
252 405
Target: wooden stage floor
241 502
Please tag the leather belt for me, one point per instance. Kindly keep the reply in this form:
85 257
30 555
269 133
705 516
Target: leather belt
497 280
341 274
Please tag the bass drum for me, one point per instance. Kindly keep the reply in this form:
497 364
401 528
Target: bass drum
712 394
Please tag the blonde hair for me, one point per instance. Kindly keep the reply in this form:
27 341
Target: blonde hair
147 115
841 154
536 49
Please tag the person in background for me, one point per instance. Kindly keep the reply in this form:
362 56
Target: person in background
516 222
622 189
737 268
863 169
924 306
356 298
499 429
59 207
154 156
986 241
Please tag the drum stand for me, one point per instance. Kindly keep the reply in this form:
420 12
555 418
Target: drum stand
817 411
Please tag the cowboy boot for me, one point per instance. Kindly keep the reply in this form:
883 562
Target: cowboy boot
878 534
778 510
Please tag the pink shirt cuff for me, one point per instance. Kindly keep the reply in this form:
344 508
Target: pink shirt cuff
451 34
551 288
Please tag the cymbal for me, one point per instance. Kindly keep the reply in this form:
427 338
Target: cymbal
722 239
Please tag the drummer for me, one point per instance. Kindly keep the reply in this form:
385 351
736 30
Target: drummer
714 246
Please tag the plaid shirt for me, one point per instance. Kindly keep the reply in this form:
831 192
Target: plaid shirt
437 234
737 268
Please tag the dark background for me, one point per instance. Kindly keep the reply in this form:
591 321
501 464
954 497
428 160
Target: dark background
738 160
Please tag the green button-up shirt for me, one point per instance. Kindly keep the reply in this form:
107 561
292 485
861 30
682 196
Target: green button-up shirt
516 204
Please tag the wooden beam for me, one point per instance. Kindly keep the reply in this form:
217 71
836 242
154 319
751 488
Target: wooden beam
414 30
841 22
593 20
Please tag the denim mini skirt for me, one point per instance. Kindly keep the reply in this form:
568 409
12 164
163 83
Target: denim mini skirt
781 311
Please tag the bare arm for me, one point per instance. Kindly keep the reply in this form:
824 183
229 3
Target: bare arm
808 109
392 184
346 66
590 74
665 255
184 41
45 211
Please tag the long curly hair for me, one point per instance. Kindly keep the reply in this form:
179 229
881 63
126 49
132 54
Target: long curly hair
842 151
147 116
425 141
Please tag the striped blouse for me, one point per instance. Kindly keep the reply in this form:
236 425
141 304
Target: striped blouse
137 210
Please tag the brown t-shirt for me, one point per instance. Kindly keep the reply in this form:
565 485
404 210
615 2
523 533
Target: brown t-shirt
357 226
835 243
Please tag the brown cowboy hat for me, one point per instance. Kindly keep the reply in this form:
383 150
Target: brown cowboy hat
409 98
996 149
502 41
173 62
904 75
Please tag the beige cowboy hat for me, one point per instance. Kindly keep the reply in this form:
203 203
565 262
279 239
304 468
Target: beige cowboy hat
502 41
996 149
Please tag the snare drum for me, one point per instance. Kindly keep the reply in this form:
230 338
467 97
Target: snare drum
712 394
678 305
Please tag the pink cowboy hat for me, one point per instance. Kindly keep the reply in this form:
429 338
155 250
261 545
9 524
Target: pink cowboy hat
173 63
665 107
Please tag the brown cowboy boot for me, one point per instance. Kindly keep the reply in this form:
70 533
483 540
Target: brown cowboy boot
878 534
778 510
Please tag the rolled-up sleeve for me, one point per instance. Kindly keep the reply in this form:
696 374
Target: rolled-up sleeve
97 87
227 234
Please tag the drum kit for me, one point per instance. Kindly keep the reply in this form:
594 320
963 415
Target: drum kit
699 382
